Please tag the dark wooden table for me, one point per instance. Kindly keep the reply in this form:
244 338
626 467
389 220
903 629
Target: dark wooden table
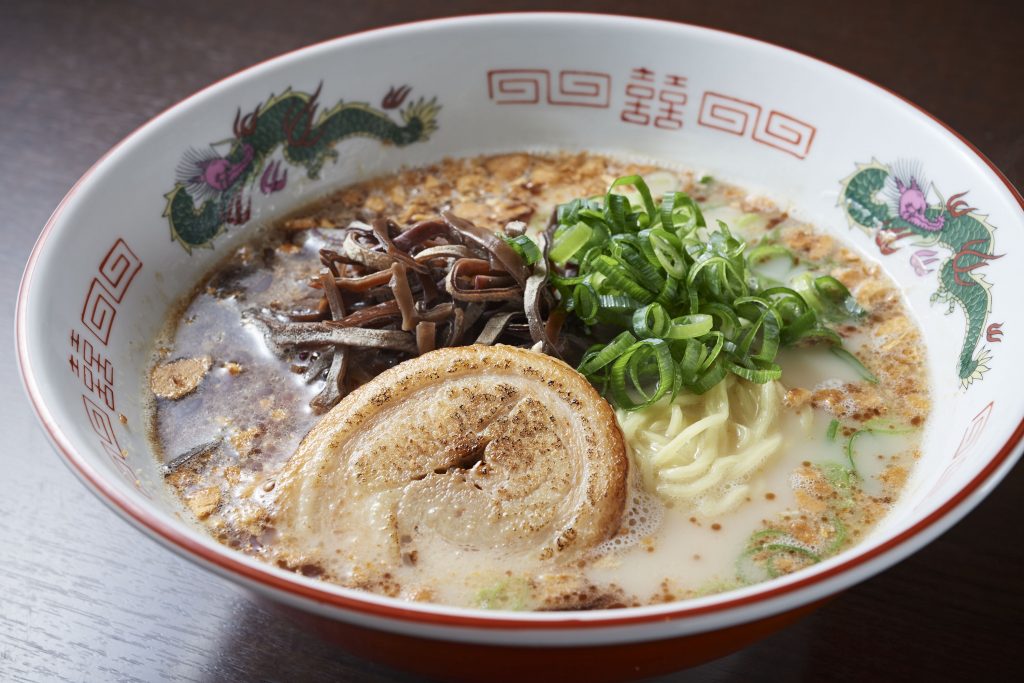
83 597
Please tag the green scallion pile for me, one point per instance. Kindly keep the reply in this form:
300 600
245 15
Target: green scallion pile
681 304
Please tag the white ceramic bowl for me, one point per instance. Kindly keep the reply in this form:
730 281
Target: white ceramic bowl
123 246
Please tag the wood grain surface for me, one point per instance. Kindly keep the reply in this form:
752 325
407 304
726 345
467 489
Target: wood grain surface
84 597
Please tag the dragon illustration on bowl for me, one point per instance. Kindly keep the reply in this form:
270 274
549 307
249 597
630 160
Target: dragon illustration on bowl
214 186
891 201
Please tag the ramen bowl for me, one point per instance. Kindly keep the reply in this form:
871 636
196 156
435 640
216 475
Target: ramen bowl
154 214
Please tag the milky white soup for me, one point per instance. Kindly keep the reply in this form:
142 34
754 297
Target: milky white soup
739 484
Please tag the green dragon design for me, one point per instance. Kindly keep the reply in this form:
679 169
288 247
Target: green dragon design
891 202
214 189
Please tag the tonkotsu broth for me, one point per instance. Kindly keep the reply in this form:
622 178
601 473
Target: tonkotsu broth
225 440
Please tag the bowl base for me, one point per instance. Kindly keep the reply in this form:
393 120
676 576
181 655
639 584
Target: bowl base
457 662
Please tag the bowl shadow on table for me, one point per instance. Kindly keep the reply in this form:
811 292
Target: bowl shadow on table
282 646
265 644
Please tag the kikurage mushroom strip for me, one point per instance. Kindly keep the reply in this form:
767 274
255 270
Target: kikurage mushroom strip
390 294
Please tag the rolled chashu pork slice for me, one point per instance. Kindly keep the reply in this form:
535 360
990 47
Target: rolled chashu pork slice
464 461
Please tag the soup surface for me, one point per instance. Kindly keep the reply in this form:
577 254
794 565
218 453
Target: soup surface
742 483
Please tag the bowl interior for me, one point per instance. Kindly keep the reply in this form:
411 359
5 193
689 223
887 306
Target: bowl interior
124 248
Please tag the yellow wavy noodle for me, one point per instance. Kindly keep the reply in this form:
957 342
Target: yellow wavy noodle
700 451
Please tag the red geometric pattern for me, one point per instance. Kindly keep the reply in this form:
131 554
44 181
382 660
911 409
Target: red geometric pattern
98 312
517 86
672 98
582 89
641 92
571 88
728 114
971 436
778 130
99 420
974 430
116 271
95 371
786 133
119 268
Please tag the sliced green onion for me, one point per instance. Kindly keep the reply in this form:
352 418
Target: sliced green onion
716 349
669 294
840 537
758 375
728 321
641 187
617 303
845 355
779 548
560 281
876 427
667 210
767 323
638 364
768 252
651 321
585 303
621 278
668 251
771 544
684 215
817 335
690 361
838 296
764 533
646 274
525 247
687 326
748 219
616 209
688 301
569 242
848 449
833 429
607 353
828 297
709 377
838 475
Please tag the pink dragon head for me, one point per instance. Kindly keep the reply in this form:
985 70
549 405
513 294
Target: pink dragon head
913 207
220 173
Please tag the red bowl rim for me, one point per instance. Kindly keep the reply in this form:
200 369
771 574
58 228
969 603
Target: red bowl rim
225 559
